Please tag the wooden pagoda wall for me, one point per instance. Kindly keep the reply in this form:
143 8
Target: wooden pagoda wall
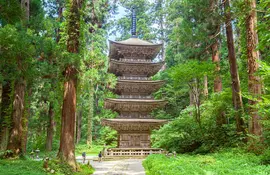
134 140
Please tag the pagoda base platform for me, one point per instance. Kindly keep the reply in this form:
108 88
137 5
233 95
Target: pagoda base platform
132 152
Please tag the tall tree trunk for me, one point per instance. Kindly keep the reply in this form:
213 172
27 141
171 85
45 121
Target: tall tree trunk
79 126
15 143
236 91
25 121
205 87
5 119
67 146
196 93
254 81
90 116
215 45
216 60
60 16
51 113
25 5
15 140
50 128
221 119
191 98
1 91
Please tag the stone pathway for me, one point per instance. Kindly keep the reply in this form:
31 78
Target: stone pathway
119 167
116 167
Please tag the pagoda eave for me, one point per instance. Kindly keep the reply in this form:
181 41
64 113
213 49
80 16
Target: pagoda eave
135 42
133 105
120 68
132 48
133 125
144 87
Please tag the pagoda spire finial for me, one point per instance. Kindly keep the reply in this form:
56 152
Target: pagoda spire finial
133 24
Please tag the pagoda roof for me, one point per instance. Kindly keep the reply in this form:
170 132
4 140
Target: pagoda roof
130 125
140 87
133 105
133 48
148 69
135 42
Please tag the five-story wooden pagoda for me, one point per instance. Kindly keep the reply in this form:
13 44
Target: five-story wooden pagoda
131 61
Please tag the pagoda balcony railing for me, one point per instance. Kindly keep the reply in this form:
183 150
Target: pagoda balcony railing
132 116
132 152
135 60
133 78
135 96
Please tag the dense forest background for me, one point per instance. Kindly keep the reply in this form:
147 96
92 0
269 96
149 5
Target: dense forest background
53 73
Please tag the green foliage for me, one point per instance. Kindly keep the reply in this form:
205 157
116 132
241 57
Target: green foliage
227 162
10 13
16 52
60 167
181 135
94 149
266 157
187 72
108 136
263 106
192 30
184 134
263 29
85 169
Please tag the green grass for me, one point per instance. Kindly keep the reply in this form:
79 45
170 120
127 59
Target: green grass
85 170
21 167
28 166
94 150
229 162
31 167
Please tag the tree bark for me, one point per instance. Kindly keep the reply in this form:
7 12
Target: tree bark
254 81
205 87
50 128
90 116
15 140
25 5
236 91
5 116
79 126
215 28
25 121
216 60
60 16
1 91
67 146
196 93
